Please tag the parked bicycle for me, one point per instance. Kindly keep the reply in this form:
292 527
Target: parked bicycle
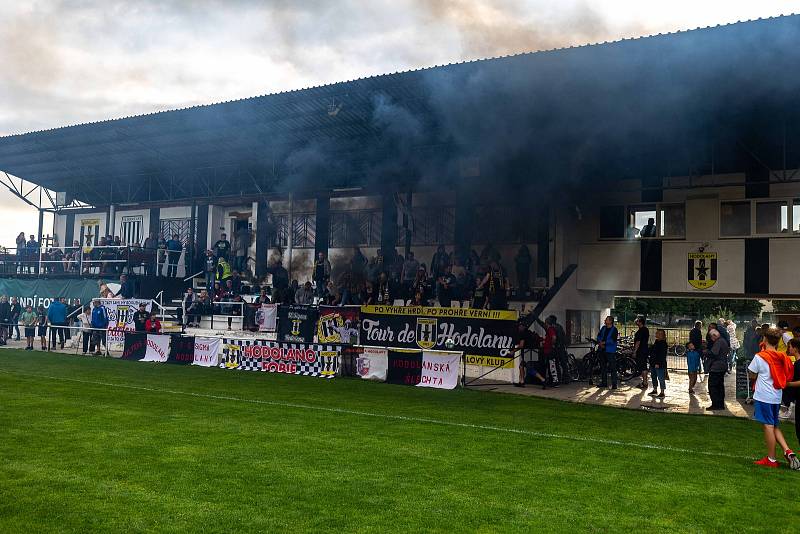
590 365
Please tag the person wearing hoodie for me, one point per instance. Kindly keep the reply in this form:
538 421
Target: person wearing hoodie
771 371
57 318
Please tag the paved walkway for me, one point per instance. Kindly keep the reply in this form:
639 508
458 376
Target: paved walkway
677 400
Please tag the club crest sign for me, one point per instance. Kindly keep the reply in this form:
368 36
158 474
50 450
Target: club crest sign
702 270
426 332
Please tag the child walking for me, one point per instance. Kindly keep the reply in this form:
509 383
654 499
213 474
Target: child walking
29 320
693 364
658 364
772 371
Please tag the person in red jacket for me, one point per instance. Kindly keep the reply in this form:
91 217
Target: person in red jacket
152 325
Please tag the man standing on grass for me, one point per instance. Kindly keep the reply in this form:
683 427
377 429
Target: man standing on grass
771 371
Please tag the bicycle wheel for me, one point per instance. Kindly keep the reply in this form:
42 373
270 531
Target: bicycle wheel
627 369
679 349
573 368
590 367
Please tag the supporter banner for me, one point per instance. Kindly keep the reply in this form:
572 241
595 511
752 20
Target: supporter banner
157 348
181 350
206 350
274 357
40 292
297 323
475 332
404 367
373 363
489 361
338 324
135 346
267 317
440 370
120 317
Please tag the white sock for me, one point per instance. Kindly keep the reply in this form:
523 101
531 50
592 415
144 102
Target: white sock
771 459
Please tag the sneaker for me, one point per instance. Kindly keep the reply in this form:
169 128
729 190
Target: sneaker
792 460
766 462
653 393
660 395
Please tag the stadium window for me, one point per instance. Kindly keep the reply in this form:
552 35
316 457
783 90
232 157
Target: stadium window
580 325
796 216
772 217
672 220
638 218
612 222
734 219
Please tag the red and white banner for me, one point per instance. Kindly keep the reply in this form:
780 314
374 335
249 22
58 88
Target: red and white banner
440 370
373 364
206 351
157 348
267 317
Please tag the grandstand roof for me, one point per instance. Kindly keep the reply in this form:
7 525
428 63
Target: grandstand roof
667 104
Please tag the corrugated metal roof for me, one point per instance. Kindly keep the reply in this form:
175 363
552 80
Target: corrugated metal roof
267 135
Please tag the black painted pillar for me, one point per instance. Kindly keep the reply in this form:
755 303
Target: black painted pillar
323 224
69 231
155 220
202 237
388 224
263 232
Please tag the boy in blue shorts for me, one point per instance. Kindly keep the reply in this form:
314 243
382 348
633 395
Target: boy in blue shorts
771 370
693 363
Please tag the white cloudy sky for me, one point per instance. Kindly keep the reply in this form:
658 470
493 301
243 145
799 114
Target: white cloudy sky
72 61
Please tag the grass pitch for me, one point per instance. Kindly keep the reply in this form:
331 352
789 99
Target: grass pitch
100 444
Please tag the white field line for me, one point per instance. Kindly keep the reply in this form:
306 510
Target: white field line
406 418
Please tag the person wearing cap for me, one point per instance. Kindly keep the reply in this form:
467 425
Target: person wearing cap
140 318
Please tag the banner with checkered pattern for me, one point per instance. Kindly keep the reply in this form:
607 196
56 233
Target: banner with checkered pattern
270 356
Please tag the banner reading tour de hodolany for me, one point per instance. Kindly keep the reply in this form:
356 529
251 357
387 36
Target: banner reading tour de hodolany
477 333
274 357
338 324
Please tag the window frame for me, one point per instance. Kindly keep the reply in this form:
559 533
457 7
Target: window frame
791 220
632 207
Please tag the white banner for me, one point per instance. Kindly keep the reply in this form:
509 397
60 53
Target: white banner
440 370
267 317
157 348
120 317
206 351
373 364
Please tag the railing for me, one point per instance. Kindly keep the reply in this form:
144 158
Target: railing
78 260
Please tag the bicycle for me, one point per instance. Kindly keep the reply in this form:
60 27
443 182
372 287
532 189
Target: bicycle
590 365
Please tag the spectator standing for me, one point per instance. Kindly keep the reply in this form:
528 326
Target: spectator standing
21 252
785 336
523 262
446 288
224 272
716 366
658 364
607 343
41 315
358 263
174 249
85 319
210 268
222 247
641 350
649 229
793 387
150 247
5 317
751 339
99 326
526 341
162 255
479 294
440 261
241 240
29 320
16 312
696 335
322 273
550 348
496 286
304 295
692 364
383 290
125 287
730 326
57 318
771 371
153 325
140 318
410 269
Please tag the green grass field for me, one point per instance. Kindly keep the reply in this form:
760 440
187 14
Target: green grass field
101 444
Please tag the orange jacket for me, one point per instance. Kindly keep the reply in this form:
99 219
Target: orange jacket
780 367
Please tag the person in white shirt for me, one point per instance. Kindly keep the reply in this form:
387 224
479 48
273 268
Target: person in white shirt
85 320
730 326
771 370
